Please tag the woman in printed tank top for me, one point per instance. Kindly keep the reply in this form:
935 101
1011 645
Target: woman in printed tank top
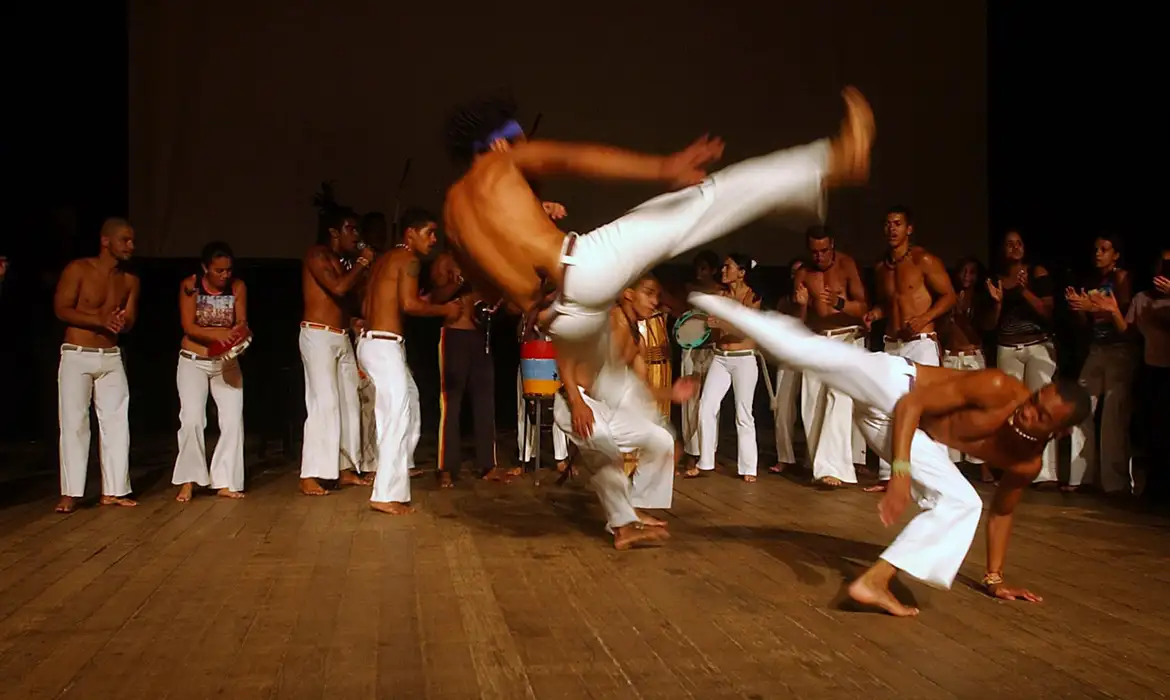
213 309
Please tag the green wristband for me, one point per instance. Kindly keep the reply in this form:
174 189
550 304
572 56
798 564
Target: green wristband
900 467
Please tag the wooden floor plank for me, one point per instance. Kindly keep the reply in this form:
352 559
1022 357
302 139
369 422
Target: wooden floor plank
514 591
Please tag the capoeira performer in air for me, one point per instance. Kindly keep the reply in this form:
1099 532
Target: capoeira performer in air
911 414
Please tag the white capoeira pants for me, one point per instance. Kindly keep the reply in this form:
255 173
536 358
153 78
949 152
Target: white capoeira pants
97 375
835 443
969 360
607 260
332 439
738 370
195 377
1035 366
696 362
924 350
627 419
784 411
1108 377
367 398
933 545
396 412
526 436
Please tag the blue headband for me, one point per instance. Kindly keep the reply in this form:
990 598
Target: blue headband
508 131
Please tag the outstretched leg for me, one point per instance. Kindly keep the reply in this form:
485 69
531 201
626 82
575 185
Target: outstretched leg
874 379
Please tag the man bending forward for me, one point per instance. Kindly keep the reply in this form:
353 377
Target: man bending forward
502 233
910 414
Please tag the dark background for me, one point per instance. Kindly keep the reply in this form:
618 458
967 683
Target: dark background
1075 145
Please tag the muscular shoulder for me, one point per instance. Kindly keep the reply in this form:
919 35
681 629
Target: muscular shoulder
924 258
995 383
847 262
80 266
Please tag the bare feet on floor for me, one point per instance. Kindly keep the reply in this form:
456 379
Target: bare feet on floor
228 493
777 468
748 478
445 480
117 501
310 487
879 487
873 590
351 478
67 504
638 535
392 508
186 493
497 474
649 520
830 482
692 473
849 159
515 471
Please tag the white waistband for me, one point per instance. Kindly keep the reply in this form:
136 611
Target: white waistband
70 347
383 335
311 326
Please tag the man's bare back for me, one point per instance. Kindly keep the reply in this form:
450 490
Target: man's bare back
325 283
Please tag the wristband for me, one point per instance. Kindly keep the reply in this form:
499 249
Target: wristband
992 578
900 467
840 303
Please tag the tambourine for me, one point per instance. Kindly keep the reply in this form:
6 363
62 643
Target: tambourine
225 351
691 330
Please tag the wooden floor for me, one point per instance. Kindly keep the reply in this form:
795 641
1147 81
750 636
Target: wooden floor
514 592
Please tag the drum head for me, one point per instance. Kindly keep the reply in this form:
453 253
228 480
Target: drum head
691 331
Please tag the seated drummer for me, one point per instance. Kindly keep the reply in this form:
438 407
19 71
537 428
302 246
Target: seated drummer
466 367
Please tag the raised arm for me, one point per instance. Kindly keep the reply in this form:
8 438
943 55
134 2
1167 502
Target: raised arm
408 294
321 267
201 335
541 158
65 301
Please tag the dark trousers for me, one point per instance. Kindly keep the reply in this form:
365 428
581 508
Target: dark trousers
1152 429
467 368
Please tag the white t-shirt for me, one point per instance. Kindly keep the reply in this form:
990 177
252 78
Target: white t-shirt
1155 331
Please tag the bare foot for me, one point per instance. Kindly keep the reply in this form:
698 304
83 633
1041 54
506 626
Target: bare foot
228 493
692 473
515 471
445 480
748 478
638 535
497 474
67 504
186 492
849 159
310 487
118 501
831 482
393 508
562 466
879 487
777 468
351 478
649 520
413 473
866 593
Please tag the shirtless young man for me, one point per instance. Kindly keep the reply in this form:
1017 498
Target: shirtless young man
836 303
333 424
910 413
466 367
504 237
96 299
913 291
393 291
610 408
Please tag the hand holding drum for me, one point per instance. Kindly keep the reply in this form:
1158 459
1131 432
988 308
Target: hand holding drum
234 346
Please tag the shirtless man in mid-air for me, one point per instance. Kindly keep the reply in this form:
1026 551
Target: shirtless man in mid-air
96 299
392 292
914 291
505 238
910 413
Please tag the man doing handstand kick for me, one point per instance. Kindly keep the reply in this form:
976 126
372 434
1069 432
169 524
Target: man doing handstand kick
910 414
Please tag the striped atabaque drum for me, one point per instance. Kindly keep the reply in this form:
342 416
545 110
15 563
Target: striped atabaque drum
538 369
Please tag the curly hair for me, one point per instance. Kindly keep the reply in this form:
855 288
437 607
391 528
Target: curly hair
474 121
